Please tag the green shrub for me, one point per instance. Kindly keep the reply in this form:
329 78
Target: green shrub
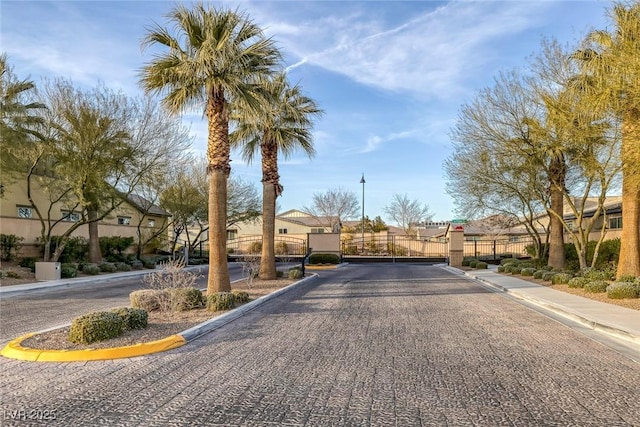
577 282
137 265
13 275
91 269
597 275
279 273
295 274
107 267
97 326
596 286
538 274
324 259
68 270
547 276
628 278
10 245
472 263
241 296
481 265
561 279
183 299
221 301
528 271
620 290
466 260
29 263
501 269
147 299
123 266
505 261
75 248
151 265
515 269
133 318
112 247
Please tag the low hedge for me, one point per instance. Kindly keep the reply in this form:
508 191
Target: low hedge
221 301
577 282
133 318
538 274
90 269
241 296
123 266
108 267
97 326
561 279
481 265
295 274
68 270
528 271
596 286
324 259
621 290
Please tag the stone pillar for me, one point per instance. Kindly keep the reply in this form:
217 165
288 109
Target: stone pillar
456 246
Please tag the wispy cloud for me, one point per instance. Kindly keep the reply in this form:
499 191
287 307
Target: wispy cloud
430 54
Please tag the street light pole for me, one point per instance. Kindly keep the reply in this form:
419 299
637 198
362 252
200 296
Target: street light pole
362 181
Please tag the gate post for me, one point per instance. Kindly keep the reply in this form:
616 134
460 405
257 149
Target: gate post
456 246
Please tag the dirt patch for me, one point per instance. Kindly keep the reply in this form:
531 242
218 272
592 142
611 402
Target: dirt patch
161 324
12 274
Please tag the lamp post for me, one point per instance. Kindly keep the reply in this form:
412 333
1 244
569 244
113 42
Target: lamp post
362 181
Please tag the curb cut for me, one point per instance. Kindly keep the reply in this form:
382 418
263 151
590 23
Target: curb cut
14 349
577 317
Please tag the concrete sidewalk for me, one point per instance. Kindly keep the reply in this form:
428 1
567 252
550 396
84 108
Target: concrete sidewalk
610 318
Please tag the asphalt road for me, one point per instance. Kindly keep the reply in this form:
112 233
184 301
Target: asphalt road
378 344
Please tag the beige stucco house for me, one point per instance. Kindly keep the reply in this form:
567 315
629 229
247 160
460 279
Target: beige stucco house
18 216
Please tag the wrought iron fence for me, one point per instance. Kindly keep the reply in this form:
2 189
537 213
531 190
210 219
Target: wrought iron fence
497 249
398 246
252 245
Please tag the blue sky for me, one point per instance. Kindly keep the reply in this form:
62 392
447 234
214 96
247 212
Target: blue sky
391 76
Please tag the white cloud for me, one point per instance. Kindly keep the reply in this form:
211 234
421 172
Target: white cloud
431 54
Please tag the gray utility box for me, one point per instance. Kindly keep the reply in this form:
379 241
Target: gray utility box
47 271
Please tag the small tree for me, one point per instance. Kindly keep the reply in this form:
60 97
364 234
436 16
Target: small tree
407 213
333 206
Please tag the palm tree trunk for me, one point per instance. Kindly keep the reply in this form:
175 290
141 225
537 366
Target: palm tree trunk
629 261
268 260
218 280
557 258
218 156
271 189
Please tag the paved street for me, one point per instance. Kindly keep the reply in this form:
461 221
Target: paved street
379 344
44 308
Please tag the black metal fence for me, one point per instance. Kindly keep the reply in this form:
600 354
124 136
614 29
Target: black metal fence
498 249
395 246
252 245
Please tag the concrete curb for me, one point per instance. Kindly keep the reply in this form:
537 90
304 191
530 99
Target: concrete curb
14 349
574 315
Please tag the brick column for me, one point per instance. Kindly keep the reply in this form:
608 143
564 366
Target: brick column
456 247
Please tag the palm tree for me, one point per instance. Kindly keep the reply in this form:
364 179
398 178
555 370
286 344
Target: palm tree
610 62
19 117
212 61
281 127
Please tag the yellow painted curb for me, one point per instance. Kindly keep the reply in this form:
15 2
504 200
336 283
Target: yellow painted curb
14 350
320 267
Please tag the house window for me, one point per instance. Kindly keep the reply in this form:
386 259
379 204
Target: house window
124 220
615 222
232 234
24 212
514 239
282 231
151 223
70 216
317 230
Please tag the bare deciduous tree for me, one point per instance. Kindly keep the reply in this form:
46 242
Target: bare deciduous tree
333 206
407 213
